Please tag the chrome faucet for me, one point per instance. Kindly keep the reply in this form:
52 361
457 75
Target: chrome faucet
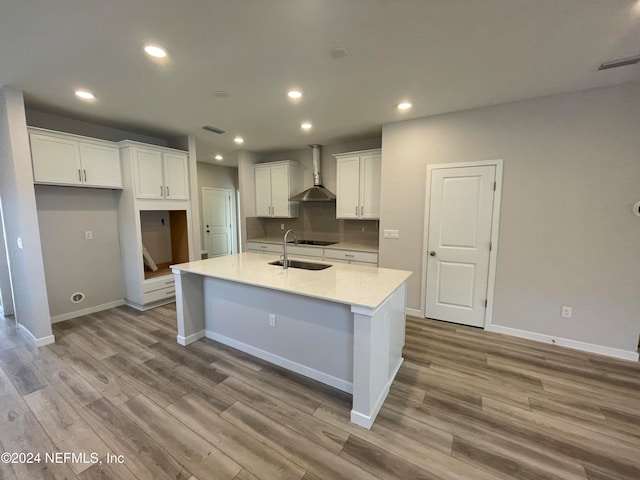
285 259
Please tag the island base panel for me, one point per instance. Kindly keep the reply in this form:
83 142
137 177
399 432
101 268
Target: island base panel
310 336
378 342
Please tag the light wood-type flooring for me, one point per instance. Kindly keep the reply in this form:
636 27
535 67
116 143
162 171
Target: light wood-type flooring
466 404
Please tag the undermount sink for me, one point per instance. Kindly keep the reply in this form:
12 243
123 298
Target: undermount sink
302 265
319 243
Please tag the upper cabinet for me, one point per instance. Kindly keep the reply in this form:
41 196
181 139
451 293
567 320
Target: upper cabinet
358 179
276 182
158 173
65 159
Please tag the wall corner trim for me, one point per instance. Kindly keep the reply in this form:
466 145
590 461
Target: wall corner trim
566 342
38 342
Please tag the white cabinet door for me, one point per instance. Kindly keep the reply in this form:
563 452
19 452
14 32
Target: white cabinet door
347 194
100 165
280 191
55 160
370 186
148 174
176 176
263 191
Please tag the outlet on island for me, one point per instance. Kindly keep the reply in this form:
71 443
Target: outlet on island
272 319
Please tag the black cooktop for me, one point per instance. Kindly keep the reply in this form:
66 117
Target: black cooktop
319 243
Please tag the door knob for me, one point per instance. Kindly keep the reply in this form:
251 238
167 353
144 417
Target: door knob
432 253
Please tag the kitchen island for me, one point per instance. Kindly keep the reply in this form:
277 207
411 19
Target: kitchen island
343 326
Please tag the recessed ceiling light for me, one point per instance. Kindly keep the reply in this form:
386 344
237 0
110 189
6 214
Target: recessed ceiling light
218 157
337 53
155 51
85 95
294 94
306 125
238 140
404 105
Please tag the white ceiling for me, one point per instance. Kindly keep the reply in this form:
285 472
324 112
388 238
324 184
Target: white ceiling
442 55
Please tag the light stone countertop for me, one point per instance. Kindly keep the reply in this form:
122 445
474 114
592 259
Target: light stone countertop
358 285
355 245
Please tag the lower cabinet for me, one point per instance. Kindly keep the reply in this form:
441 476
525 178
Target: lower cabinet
328 255
353 257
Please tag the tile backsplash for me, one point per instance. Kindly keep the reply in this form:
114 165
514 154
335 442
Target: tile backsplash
318 221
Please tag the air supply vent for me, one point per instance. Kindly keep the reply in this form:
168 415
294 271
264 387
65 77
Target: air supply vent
213 129
621 62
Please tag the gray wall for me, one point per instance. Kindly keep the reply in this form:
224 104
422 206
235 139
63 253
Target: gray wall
20 217
87 129
6 296
567 233
73 264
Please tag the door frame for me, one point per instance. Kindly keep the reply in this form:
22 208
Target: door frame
495 225
232 213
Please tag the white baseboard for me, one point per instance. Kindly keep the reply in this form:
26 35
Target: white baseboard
189 339
39 342
565 342
86 311
325 378
413 312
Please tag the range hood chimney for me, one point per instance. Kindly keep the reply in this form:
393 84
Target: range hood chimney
317 193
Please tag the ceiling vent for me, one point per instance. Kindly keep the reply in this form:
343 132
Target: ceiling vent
622 62
213 129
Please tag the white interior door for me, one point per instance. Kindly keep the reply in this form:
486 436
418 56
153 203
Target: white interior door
218 221
460 217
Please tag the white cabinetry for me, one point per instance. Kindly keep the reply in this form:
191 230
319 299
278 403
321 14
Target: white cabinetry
275 183
350 256
65 159
154 210
328 255
358 179
159 173
266 248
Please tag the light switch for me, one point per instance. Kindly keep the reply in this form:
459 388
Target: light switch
394 234
88 235
20 243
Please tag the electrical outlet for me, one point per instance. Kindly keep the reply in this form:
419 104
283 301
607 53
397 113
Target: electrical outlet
395 234
19 240
88 235
272 319
566 312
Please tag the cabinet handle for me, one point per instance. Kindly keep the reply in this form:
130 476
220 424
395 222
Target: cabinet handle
356 210
79 175
170 282
361 210
161 191
351 256
167 191
170 292
85 175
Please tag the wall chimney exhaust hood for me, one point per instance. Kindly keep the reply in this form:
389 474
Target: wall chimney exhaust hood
317 193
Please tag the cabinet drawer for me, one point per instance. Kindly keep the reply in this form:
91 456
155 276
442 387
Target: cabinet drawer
162 294
366 257
264 247
158 283
305 251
